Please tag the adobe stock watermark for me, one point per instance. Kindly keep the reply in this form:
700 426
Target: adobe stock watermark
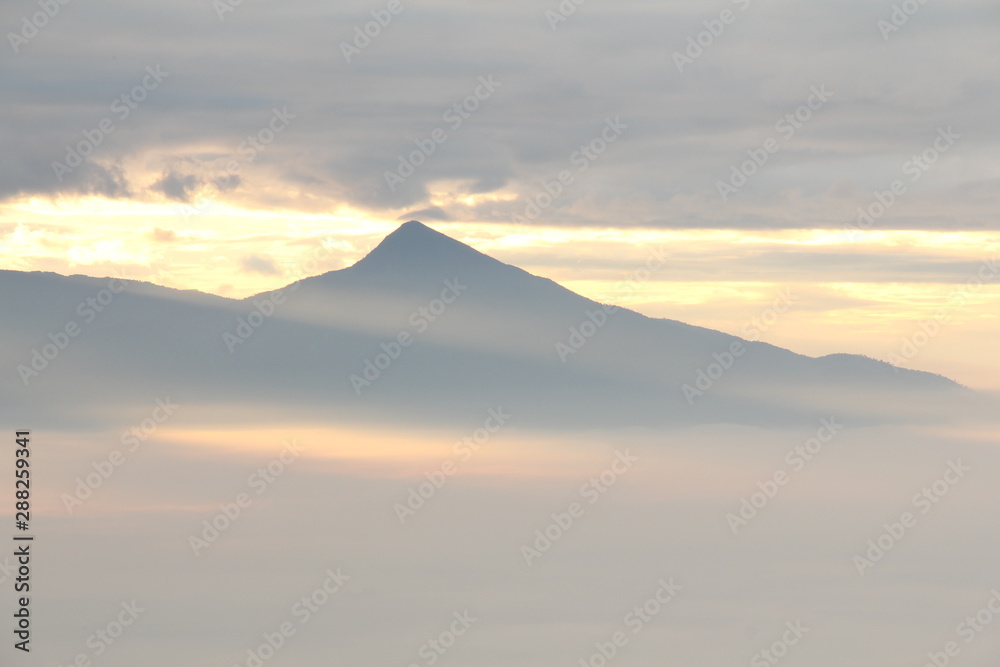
915 168
421 320
105 637
32 25
582 158
595 319
258 482
464 450
302 611
900 16
434 648
7 569
584 331
88 310
698 43
131 439
986 273
255 143
636 619
454 116
923 501
786 127
121 108
592 490
910 346
223 7
363 35
248 151
773 654
705 378
562 12
796 459
266 305
967 630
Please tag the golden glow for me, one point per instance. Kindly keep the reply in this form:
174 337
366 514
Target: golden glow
446 193
717 278
406 453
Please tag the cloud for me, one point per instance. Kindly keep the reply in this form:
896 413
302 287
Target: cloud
686 129
429 213
259 264
164 235
176 187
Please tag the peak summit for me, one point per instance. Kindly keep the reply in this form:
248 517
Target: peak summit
413 230
414 246
413 225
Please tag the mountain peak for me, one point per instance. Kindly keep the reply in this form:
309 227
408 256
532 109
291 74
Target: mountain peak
414 246
414 231
414 225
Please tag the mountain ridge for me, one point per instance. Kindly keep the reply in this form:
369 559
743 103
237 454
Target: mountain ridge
508 337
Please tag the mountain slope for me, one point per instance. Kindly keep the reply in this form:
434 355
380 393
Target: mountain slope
423 328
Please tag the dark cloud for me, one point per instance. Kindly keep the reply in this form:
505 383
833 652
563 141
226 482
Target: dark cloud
176 187
355 121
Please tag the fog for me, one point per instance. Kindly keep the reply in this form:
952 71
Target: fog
660 513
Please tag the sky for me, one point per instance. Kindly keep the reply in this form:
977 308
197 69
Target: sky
820 175
843 152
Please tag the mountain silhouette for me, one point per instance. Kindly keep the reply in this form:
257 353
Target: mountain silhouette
423 328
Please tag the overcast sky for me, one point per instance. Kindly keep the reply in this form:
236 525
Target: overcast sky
686 120
744 135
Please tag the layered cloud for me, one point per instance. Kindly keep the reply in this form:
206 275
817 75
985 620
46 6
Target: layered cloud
471 112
